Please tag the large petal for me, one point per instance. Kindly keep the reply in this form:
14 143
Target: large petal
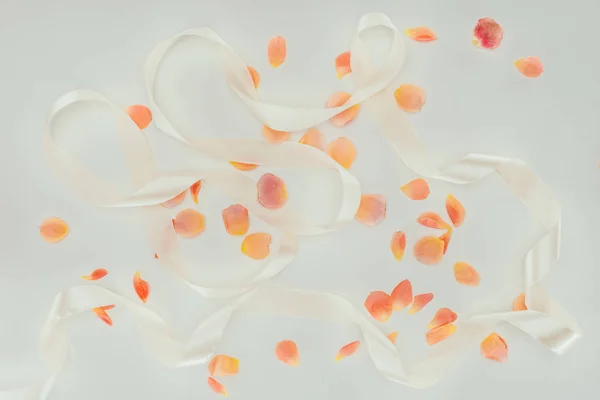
440 333
429 250
342 151
402 295
188 223
379 305
372 209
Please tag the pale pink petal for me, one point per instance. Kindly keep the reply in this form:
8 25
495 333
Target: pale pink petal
271 191
339 99
372 209
235 218
488 33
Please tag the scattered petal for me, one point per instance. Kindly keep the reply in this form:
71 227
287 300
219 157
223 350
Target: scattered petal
235 218
443 316
342 151
277 51
243 166
419 302
421 34
286 351
103 315
371 209
142 288
410 98
456 211
432 220
531 67
446 239
255 77
392 337
398 245
156 256
519 303
223 365
379 305
274 136
429 250
53 230
494 348
465 274
339 99
95 275
342 64
216 386
194 190
487 33
313 137
347 350
402 295
175 201
271 191
440 333
256 245
417 189
141 115
188 223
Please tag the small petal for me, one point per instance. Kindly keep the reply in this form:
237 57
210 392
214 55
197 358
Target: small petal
487 33
342 64
53 230
429 250
194 190
141 115
347 350
379 305
256 245
531 67
223 365
494 348
398 245
216 386
519 303
456 211
440 333
243 166
188 223
417 189
142 288
235 218
313 137
156 256
175 201
286 351
446 239
465 274
443 316
271 193
255 76
410 98
392 337
337 100
402 295
421 34
419 302
432 220
274 136
371 209
95 275
342 151
103 315
277 51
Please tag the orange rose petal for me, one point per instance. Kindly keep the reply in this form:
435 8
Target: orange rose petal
141 115
402 295
440 333
429 250
432 220
256 245
188 223
175 201
419 302
286 351
487 34
156 256
342 151
531 67
465 274
410 98
392 337
103 315
255 76
342 64
53 230
277 51
235 218
421 34
443 316
456 211
95 275
379 305
371 210
194 190
519 303
347 350
223 365
313 137
271 193
243 166
274 136
216 386
398 245
494 348
417 189
339 99
142 288
446 239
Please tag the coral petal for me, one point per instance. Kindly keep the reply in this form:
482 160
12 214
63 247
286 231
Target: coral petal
417 189
243 166
156 256
223 365
255 77
256 245
465 274
235 218
277 51
216 386
419 302
342 64
494 348
440 333
455 210
402 295
313 137
342 151
429 250
488 33
103 315
372 209
286 351
142 288
410 98
519 303
443 316
53 230
175 201
194 190
446 239
432 220
188 223
274 136
379 305
421 34
339 99
271 191
347 350
392 336
141 115
398 245
96 274
531 67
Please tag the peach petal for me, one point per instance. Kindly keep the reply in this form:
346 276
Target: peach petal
95 275
53 230
243 166
235 218
256 245
429 250
487 34
347 350
392 337
342 64
455 210
465 274
342 151
402 295
443 316
141 115
175 201
223 365
142 288
188 223
494 348
432 220
255 77
410 98
313 137
519 303
337 100
286 351
103 315
419 302
271 191
417 189
379 305
398 245
531 67
194 190
274 136
372 209
421 34
446 239
216 386
277 51
440 333
156 256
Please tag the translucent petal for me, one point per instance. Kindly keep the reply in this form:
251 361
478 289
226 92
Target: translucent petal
494 348
440 333
223 365
256 245
338 99
465 274
188 223
103 315
175 201
531 67
429 250
255 77
419 302
410 98
417 189
217 387
379 305
402 295
271 191
274 136
392 336
398 245
519 303
372 209
342 151
421 34
431 219
313 137
235 218
53 230
342 64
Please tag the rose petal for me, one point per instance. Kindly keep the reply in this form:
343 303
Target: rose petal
429 250
141 115
216 386
223 365
342 151
421 34
274 136
455 210
103 315
487 33
188 223
156 256
417 189
392 337
256 245
243 166
194 190
402 295
286 351
342 64
432 220
443 316
337 100
255 76
313 137
410 98
277 51
379 305
371 209
347 350
53 230
446 239
95 275
494 348
235 218
142 288
519 303
465 274
271 193
531 67
398 245
419 302
175 201
440 333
